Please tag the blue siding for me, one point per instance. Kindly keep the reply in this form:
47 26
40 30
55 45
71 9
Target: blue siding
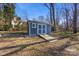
48 29
33 31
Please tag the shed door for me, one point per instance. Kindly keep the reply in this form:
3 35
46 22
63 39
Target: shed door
41 29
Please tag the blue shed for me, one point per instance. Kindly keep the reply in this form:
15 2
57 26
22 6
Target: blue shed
38 28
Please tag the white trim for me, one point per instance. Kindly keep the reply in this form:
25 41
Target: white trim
29 28
38 28
46 29
33 24
42 29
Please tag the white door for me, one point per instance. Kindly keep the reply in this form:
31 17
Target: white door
41 29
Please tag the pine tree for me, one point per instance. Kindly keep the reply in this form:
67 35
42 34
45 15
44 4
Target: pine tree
8 13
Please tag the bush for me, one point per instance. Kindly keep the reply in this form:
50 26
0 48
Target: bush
6 27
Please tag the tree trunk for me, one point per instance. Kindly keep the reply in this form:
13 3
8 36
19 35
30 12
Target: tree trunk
75 18
52 16
67 15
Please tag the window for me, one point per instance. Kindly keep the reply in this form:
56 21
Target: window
40 31
33 25
43 30
40 27
43 26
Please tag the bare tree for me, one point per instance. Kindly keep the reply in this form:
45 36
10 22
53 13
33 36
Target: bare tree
75 18
52 14
67 20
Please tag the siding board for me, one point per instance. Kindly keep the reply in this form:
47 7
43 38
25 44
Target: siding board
33 31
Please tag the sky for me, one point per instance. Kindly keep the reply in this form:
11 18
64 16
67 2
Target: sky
30 10
33 10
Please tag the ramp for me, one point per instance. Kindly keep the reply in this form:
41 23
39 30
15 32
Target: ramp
47 37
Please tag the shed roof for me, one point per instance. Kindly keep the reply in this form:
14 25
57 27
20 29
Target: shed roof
41 22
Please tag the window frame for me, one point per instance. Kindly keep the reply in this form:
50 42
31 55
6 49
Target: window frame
45 31
33 24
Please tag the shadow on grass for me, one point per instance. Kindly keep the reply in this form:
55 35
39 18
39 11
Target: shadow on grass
57 51
14 35
51 51
22 47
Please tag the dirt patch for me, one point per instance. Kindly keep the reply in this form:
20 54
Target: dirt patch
4 41
45 48
36 46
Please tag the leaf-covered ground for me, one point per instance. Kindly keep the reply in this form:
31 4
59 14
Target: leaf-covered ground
36 46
